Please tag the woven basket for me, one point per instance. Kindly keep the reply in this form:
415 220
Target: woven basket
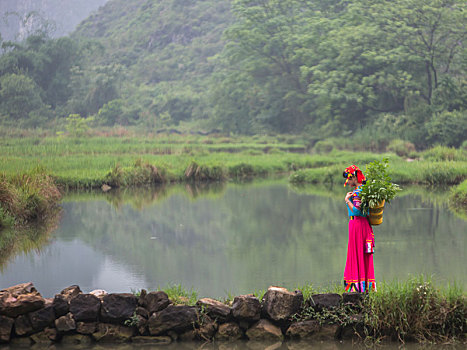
376 214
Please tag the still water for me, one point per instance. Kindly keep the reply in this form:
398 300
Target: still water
233 239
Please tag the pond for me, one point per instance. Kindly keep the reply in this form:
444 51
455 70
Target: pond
232 239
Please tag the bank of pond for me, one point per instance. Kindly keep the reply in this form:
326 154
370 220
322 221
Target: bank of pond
412 311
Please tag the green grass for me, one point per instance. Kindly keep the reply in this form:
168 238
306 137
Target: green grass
458 200
27 197
128 160
90 162
402 172
417 310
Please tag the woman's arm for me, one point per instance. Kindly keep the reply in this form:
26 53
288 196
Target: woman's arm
355 211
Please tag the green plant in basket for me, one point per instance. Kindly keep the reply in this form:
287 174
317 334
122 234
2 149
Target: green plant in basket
378 187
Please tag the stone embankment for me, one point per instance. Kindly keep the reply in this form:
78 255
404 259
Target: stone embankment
73 317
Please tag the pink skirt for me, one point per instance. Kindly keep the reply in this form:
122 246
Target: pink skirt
359 273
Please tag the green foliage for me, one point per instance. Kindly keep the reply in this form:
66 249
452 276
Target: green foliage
443 154
378 185
181 296
77 126
448 128
415 310
19 96
324 146
140 174
27 197
133 321
458 199
401 148
361 72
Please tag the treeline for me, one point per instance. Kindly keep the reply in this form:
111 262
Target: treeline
327 68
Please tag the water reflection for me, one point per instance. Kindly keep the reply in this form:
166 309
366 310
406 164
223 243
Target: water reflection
250 345
233 239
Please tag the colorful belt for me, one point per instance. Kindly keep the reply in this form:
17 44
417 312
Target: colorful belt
352 217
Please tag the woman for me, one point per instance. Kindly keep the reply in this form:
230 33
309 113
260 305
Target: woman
359 275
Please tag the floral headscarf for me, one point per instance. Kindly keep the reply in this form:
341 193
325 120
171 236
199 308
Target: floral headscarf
353 170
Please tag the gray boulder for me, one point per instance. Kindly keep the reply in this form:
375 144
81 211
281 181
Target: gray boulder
154 301
279 304
19 300
6 326
303 330
85 307
246 308
117 308
176 318
42 318
65 323
229 331
215 309
264 330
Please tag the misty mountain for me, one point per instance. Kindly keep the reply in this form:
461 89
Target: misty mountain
19 18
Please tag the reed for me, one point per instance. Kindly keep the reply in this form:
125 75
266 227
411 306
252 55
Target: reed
27 197
416 310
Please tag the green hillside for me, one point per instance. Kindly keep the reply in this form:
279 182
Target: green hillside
369 71
163 48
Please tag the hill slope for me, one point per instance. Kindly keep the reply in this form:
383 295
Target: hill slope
164 48
64 15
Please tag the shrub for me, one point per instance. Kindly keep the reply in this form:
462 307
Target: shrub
401 148
415 310
448 128
443 153
324 146
27 197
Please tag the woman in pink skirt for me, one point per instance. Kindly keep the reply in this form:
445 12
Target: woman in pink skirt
359 274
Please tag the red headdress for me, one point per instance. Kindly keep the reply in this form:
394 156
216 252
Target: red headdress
353 170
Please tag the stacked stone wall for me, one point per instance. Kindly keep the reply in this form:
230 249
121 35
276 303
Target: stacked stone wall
74 317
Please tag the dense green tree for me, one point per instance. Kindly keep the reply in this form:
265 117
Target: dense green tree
19 96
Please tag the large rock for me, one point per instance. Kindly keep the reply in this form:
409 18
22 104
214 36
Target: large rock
6 326
117 308
111 333
353 329
141 325
23 325
324 301
207 328
215 309
19 300
85 307
20 289
70 292
154 301
46 337
60 305
279 304
229 331
303 330
65 323
177 318
141 311
353 298
264 330
246 307
42 318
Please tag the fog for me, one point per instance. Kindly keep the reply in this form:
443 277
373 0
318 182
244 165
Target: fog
19 18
